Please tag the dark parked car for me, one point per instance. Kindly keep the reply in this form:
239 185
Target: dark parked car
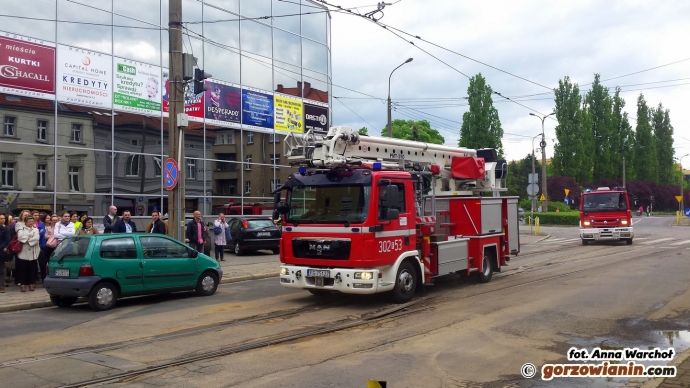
253 233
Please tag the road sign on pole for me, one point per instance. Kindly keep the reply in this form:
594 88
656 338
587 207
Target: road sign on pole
542 198
567 191
533 178
172 173
532 189
679 198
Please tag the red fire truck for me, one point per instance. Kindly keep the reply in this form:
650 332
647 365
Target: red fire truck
605 215
366 215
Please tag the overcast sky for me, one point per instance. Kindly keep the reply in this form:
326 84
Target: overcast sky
542 41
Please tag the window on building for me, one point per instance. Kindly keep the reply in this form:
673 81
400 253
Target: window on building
226 166
247 187
74 185
41 171
134 142
226 187
225 138
157 166
132 165
10 127
275 160
273 138
247 163
42 127
275 183
76 133
191 168
250 137
7 174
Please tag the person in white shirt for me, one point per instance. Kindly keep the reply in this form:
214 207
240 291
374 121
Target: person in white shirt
64 228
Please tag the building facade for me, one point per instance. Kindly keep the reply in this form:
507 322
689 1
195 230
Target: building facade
83 101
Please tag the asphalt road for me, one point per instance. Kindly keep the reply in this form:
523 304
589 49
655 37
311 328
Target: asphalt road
555 295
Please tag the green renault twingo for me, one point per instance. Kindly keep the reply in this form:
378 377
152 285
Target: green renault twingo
108 266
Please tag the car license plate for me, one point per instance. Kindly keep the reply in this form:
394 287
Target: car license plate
61 272
263 234
318 282
318 273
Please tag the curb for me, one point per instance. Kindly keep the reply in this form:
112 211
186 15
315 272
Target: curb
48 303
656 381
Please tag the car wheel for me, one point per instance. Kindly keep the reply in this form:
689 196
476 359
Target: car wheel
103 296
238 250
405 283
207 284
487 269
63 301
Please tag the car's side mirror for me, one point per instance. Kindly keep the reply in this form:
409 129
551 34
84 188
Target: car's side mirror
193 253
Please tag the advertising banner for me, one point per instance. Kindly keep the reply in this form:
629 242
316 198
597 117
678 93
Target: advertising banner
288 114
83 77
316 117
223 104
193 103
27 66
257 110
137 86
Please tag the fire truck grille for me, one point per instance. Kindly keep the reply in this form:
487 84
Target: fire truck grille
333 249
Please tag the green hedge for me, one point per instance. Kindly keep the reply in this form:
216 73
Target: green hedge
526 204
562 218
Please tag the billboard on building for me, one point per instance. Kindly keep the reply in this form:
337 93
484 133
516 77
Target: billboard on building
257 110
27 66
193 103
223 104
288 114
137 86
316 117
84 77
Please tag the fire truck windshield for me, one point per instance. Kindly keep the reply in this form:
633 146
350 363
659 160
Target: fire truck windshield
604 202
329 204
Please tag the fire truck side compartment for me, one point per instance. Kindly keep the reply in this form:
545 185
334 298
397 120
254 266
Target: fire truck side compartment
491 215
452 255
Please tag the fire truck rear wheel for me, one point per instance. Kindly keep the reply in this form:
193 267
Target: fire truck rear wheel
487 269
405 283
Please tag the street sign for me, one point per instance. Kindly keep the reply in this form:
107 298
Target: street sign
687 211
567 191
566 200
533 178
679 198
542 198
172 173
140 210
140 199
532 189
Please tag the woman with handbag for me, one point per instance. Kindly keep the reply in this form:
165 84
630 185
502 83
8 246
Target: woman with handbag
51 244
27 266
220 227
5 254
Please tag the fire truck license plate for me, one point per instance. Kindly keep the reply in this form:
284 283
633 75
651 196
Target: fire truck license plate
318 273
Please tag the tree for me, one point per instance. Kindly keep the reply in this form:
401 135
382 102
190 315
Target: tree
518 175
363 131
599 106
646 163
414 130
622 140
481 126
573 153
663 133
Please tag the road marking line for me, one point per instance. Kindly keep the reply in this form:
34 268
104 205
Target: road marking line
657 240
681 242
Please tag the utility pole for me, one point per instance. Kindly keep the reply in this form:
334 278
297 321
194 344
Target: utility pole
175 134
543 160
390 128
624 173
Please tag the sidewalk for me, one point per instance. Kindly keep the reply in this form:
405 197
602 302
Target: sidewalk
14 300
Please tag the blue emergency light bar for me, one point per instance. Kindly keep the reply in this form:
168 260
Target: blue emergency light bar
302 170
377 166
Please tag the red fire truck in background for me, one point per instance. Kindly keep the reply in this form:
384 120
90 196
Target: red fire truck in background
366 215
605 215
233 209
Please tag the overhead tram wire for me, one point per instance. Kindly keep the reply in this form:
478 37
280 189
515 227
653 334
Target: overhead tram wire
355 113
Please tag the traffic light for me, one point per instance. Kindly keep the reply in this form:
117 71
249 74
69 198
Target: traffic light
199 77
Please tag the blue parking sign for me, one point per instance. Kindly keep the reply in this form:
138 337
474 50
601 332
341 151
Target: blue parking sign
566 200
687 211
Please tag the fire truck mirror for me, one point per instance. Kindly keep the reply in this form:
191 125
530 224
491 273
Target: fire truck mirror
282 207
388 196
388 214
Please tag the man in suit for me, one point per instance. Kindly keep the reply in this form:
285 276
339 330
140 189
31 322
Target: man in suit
110 220
125 225
156 225
196 232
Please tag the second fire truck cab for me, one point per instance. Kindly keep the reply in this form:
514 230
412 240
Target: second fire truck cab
366 215
605 215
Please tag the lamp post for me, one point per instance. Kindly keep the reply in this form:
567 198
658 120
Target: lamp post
534 198
390 129
543 160
680 164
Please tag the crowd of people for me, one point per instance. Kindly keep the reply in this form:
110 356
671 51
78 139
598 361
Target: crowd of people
40 233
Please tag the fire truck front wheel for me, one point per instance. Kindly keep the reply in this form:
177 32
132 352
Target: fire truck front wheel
405 283
484 276
628 241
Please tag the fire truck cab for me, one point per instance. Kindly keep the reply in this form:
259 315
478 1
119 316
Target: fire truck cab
365 215
605 215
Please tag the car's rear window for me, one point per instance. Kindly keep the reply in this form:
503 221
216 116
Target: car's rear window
72 247
260 223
